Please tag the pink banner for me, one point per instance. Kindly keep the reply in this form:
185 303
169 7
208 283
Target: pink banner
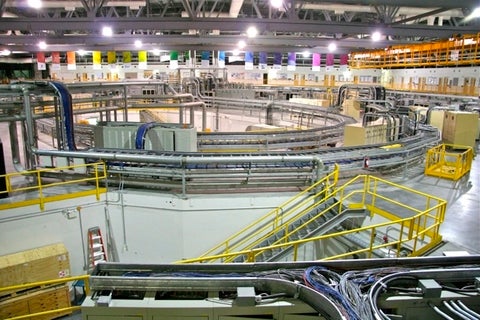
330 59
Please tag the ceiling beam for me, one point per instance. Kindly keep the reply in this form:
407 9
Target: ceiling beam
231 25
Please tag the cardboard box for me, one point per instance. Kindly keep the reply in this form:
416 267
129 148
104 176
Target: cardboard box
357 135
460 128
352 108
39 264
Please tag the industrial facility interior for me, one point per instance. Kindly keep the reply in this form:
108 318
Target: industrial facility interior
233 160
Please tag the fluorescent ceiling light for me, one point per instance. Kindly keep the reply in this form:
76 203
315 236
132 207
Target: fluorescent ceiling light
306 54
42 45
81 52
242 44
107 32
376 36
252 32
475 13
138 43
156 52
332 47
36 4
5 52
276 3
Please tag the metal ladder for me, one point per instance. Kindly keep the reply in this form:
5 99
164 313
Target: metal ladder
96 247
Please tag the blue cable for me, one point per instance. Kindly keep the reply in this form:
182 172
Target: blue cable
67 108
141 134
326 289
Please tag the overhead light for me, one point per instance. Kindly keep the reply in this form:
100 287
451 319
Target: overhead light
252 32
36 4
107 31
42 45
332 46
276 3
5 52
138 43
475 13
305 54
156 52
81 52
376 36
242 44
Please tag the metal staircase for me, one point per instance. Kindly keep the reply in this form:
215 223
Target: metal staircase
325 216
326 221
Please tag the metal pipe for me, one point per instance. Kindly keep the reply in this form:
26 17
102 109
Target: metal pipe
14 146
462 311
457 313
29 127
468 310
179 160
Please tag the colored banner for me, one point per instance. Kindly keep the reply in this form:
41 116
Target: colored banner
330 62
55 60
262 61
127 59
187 58
112 59
142 60
41 65
344 62
71 63
316 58
205 59
277 61
248 60
173 59
292 61
221 59
97 60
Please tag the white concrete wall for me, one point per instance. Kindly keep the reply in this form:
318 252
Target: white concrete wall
159 227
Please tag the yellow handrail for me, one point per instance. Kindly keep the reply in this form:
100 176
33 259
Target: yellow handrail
418 231
462 50
275 218
91 174
46 283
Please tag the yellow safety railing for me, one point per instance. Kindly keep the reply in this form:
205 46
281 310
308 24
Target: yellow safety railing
46 284
449 161
411 227
35 189
261 228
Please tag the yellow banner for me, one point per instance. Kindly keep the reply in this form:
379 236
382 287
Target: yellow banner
97 57
127 57
112 57
142 56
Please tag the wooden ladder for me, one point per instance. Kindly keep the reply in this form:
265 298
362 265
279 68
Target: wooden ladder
96 246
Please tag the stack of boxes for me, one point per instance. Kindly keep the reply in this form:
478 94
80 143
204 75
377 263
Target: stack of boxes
35 265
